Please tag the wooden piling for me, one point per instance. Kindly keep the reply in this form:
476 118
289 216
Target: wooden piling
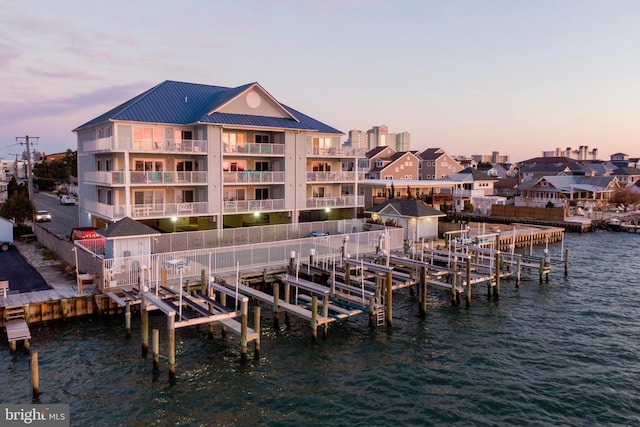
518 272
256 327
223 301
496 289
13 346
541 268
314 317
244 318
35 375
203 282
276 298
325 313
468 273
566 262
422 292
389 299
287 299
27 346
144 326
155 348
454 279
127 319
171 343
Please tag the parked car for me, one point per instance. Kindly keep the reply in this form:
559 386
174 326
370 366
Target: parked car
43 216
68 199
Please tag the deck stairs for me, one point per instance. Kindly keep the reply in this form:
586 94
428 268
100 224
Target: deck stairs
16 324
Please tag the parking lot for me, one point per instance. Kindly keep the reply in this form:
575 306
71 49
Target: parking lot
21 275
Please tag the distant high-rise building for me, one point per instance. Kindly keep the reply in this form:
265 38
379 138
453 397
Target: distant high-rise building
582 153
379 136
492 158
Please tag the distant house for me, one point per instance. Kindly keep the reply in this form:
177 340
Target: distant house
419 220
627 176
387 164
560 191
474 187
506 187
547 166
435 163
502 170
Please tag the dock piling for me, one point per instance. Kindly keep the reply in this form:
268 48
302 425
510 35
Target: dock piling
155 348
144 326
35 375
171 343
127 319
256 327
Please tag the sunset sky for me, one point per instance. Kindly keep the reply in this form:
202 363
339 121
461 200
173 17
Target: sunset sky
470 76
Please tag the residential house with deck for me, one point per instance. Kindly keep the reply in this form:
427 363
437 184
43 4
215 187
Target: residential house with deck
187 156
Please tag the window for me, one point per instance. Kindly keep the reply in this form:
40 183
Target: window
262 166
233 142
233 194
262 193
262 139
148 197
319 192
320 167
185 196
235 166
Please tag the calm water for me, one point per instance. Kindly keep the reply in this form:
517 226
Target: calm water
562 353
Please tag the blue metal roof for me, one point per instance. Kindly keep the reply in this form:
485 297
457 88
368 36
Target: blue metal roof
182 103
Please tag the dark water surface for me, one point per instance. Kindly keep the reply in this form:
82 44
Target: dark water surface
562 353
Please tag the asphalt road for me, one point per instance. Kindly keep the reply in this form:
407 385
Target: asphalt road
21 275
63 217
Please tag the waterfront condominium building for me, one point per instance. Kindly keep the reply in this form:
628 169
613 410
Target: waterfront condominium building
185 156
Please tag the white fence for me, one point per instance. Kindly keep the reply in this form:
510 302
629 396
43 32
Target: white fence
185 264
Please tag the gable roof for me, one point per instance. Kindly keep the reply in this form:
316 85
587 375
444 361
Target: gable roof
180 103
377 150
470 174
431 153
406 207
127 227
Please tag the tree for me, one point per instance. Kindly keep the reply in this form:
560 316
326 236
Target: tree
70 158
48 174
18 206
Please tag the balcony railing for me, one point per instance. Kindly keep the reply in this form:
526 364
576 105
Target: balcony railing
241 206
331 202
469 193
168 177
254 148
153 210
111 212
104 177
334 152
194 146
331 176
252 177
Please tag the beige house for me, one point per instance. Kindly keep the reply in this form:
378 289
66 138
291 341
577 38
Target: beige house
419 220
184 156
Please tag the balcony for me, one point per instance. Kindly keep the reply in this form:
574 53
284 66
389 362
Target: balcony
159 210
168 177
262 177
263 149
246 206
192 146
146 211
103 210
331 176
334 152
335 202
468 193
104 178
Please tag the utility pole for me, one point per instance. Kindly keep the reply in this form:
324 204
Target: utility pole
29 177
